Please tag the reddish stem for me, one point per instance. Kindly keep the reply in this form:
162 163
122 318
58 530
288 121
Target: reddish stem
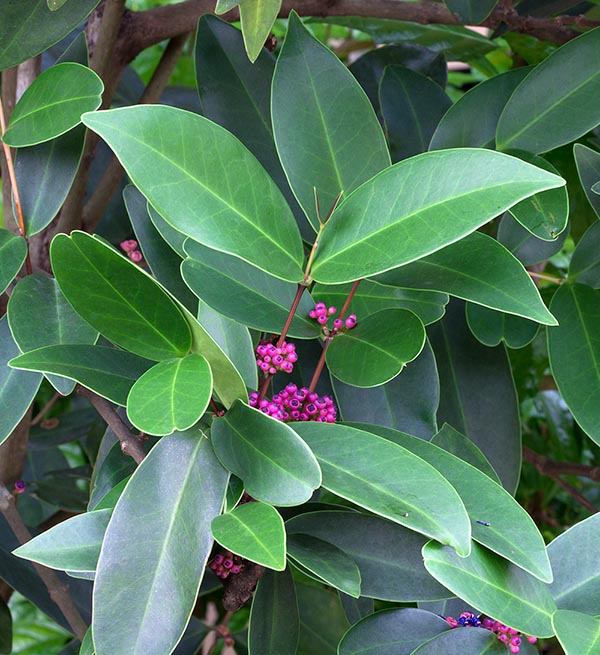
349 299
320 365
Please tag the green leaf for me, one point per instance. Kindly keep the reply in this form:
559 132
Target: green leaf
274 620
39 315
87 645
244 293
254 531
322 620
55 5
415 208
73 545
173 237
223 6
235 491
388 480
388 555
153 554
471 12
13 250
574 352
117 298
172 395
491 327
217 194
257 18
273 462
588 168
578 634
6 629
371 297
471 121
497 520
53 104
377 349
585 262
408 402
576 567
326 561
356 608
555 103
393 630
479 269
107 371
17 388
493 585
340 149
412 106
458 642
28 27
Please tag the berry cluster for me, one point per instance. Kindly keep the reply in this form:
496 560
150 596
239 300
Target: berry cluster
321 314
271 358
508 636
130 247
226 564
297 404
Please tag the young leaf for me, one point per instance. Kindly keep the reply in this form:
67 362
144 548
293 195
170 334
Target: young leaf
53 104
257 18
588 167
126 305
491 327
340 149
150 555
254 531
471 12
578 634
273 462
585 262
457 642
13 250
389 480
205 183
415 208
172 395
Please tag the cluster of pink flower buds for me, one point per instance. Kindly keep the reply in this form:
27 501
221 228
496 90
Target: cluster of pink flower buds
271 358
226 564
321 313
508 636
130 247
296 404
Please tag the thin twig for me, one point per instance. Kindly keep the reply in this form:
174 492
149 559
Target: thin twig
573 492
46 408
547 466
543 276
349 299
220 631
319 366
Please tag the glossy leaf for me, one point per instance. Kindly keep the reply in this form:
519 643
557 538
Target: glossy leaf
388 480
39 315
53 104
73 545
555 103
326 561
107 371
412 106
523 245
254 531
578 634
117 298
496 587
585 262
388 555
471 12
477 641
274 620
491 327
322 614
13 250
471 121
164 540
110 472
477 393
173 237
257 18
172 395
340 149
408 402
479 269
17 388
588 168
273 462
401 206
218 195
574 351
356 608
224 6
377 349
244 293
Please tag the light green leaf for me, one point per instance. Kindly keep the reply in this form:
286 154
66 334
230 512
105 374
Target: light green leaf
574 351
414 208
254 531
53 104
588 168
13 250
172 395
117 298
223 6
153 555
457 642
257 18
585 262
173 237
491 327
377 349
479 269
493 585
55 5
578 634
87 645
555 103
471 12
273 462
73 545
341 149
389 480
205 183
107 371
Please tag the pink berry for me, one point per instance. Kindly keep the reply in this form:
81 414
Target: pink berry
135 256
332 310
128 245
322 319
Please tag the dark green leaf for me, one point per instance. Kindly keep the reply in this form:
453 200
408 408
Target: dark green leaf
257 18
471 12
13 250
588 167
475 641
491 327
322 620
585 262
523 245
6 629
71 426
577 633
108 473
218 195
340 149
273 462
356 608
157 555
